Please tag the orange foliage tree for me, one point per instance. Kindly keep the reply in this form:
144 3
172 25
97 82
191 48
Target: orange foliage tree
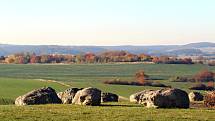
141 76
204 76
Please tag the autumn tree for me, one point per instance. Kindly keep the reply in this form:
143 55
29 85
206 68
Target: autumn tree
90 57
10 59
187 61
141 76
156 60
210 84
205 76
45 59
145 57
69 58
131 57
79 58
20 60
34 58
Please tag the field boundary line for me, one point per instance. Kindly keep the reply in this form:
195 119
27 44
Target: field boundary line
54 81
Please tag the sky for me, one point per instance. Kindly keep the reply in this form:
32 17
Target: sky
106 22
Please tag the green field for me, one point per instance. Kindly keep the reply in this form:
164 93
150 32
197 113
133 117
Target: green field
16 80
19 79
97 72
108 112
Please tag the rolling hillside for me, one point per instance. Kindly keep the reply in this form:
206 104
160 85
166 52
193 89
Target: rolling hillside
202 48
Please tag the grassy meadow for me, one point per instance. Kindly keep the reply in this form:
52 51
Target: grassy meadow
16 80
97 72
106 112
19 79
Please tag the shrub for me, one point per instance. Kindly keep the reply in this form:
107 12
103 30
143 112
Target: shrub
159 85
116 81
210 84
209 99
198 87
119 82
141 76
146 83
204 76
201 87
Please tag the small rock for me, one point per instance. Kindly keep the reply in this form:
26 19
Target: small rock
195 96
109 97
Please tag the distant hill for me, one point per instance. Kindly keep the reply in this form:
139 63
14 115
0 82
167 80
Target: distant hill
202 48
200 45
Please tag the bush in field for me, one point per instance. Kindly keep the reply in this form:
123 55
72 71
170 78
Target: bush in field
198 87
141 76
119 82
157 84
146 83
116 81
201 87
204 76
210 84
209 99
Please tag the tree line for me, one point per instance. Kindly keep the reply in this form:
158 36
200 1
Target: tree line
105 57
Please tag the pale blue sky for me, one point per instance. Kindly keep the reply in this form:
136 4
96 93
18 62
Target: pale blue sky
106 22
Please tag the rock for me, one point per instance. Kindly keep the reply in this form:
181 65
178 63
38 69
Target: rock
195 96
59 94
165 98
68 95
209 99
45 95
109 97
136 97
88 96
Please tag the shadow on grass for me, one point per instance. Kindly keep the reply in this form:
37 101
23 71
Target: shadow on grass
120 105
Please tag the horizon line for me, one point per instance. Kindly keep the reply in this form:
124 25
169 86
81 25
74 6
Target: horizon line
102 45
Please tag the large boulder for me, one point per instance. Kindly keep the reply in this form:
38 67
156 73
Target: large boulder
88 96
45 95
68 95
109 97
196 96
165 98
209 99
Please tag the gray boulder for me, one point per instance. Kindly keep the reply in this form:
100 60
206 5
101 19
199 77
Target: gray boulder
165 98
136 97
88 96
109 97
68 95
196 96
45 95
